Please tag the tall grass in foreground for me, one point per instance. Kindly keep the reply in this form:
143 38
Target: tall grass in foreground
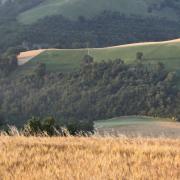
88 158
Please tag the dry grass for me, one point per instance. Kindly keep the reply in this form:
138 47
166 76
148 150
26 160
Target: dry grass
30 54
88 158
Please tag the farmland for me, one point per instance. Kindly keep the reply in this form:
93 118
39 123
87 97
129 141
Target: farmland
90 90
134 126
68 60
88 158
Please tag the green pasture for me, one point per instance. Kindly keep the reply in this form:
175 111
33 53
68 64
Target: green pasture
128 120
68 60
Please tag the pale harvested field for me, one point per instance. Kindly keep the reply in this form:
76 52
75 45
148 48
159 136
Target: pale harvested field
89 158
30 53
24 57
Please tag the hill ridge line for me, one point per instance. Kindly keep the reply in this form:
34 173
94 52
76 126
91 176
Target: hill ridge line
26 56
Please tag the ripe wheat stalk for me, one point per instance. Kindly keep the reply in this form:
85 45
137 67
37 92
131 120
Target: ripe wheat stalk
88 158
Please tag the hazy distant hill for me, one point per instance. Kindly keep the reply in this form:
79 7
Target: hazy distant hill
73 87
32 10
72 23
66 60
75 8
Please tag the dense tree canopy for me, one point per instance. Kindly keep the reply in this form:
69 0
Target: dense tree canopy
106 29
97 91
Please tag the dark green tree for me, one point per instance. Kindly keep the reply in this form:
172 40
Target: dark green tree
87 60
139 56
49 125
33 126
40 69
76 127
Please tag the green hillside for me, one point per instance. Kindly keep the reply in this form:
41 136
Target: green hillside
129 120
135 126
99 91
56 23
75 8
70 60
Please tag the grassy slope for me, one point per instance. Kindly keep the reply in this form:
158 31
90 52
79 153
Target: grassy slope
128 120
75 8
88 158
70 60
135 126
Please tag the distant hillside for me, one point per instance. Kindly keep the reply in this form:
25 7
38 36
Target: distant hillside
64 82
75 8
60 82
74 23
66 60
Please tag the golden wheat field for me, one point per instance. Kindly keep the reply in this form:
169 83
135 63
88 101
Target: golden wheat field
89 158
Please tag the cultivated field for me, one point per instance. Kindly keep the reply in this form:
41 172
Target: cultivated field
24 57
89 158
65 60
137 126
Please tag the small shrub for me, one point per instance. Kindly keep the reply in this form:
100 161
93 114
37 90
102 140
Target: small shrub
48 125
139 56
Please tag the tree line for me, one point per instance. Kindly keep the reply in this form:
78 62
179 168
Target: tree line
96 91
105 29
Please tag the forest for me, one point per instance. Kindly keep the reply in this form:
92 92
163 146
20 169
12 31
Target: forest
96 91
105 29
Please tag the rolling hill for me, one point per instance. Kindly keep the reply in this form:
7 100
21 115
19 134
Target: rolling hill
68 60
65 60
104 90
72 23
75 8
67 25
134 126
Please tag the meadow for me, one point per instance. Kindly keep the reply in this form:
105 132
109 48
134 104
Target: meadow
68 60
89 158
139 126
